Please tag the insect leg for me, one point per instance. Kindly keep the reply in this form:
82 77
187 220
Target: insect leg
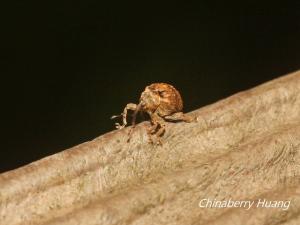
129 106
179 116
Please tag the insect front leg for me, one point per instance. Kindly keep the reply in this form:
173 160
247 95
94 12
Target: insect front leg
151 130
129 106
158 127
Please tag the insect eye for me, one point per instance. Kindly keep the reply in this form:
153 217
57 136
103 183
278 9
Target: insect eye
161 93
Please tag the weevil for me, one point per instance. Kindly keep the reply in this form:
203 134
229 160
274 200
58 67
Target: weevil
162 102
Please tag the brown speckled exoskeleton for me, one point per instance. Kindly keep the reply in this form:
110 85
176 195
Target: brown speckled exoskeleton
162 102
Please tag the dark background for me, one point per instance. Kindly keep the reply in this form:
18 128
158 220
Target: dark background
67 66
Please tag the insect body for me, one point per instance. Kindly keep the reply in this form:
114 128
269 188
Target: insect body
162 102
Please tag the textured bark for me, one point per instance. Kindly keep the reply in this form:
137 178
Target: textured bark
244 147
